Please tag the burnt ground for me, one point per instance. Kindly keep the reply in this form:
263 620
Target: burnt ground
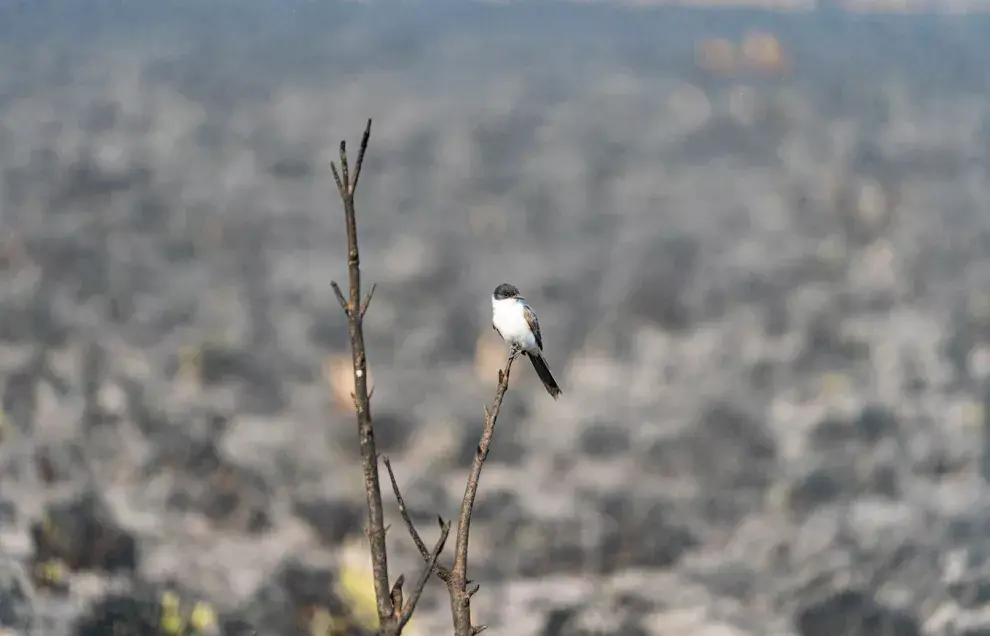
766 296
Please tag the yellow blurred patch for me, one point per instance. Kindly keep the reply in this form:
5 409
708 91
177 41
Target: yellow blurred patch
50 572
832 251
190 363
834 384
357 588
203 618
979 307
322 623
170 600
776 497
171 621
972 414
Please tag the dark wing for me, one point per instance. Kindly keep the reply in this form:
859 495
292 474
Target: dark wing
534 325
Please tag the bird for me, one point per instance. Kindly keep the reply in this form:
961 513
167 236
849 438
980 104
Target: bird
515 322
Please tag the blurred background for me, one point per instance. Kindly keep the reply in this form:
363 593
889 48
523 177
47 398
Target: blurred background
757 239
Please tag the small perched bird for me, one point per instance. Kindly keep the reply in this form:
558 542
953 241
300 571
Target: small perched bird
515 321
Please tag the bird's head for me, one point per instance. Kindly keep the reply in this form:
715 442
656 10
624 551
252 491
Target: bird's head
505 290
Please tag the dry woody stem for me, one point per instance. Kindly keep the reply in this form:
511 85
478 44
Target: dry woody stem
460 594
366 436
459 587
394 610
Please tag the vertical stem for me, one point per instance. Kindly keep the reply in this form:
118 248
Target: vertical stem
460 596
366 435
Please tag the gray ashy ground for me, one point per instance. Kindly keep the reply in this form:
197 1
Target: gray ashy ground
767 300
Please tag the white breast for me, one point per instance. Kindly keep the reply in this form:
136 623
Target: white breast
510 320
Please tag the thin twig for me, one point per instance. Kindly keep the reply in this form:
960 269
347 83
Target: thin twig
360 161
442 572
345 173
431 564
340 297
366 437
460 595
367 299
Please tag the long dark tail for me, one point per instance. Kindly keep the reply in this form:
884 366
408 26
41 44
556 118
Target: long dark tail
546 377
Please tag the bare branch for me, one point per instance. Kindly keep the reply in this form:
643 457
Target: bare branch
366 437
460 596
341 299
395 611
431 564
343 167
360 161
442 572
367 299
336 177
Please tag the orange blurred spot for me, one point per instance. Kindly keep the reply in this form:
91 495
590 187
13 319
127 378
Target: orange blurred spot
489 356
716 55
338 370
763 51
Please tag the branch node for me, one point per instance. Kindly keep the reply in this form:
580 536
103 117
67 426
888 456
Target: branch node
441 572
473 589
396 596
417 592
478 629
